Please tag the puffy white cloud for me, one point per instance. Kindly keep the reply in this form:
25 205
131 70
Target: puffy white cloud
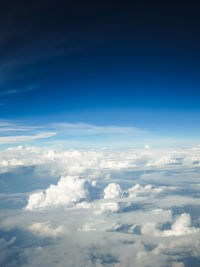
98 223
162 161
94 162
68 192
113 190
44 229
181 226
61 162
108 208
116 165
146 190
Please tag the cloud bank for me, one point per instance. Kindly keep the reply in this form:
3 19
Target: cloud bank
100 207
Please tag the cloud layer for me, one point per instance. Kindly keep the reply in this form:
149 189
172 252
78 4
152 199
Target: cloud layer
100 207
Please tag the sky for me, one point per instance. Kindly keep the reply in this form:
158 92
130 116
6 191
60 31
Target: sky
99 133
102 63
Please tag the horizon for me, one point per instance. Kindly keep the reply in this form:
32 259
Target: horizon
99 134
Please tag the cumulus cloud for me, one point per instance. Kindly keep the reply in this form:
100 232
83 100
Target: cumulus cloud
69 162
164 160
113 190
44 229
146 190
92 162
71 191
68 192
109 208
181 226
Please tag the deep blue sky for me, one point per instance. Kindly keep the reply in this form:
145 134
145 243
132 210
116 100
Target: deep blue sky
102 62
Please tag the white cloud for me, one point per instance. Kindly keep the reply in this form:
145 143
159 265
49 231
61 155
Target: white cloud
4 123
138 190
113 190
181 226
84 128
44 229
162 161
13 126
68 192
59 162
108 208
98 223
25 138
116 165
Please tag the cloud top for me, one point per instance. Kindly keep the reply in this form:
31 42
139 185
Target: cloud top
113 190
69 191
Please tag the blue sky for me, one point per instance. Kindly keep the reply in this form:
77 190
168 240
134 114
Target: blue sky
132 65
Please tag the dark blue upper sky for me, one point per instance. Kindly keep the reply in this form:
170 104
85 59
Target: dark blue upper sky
101 62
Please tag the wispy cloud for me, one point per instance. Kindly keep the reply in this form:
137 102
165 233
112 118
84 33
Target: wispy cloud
15 91
12 126
25 138
14 131
84 128
84 135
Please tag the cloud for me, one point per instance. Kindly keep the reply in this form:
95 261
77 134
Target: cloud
73 191
4 243
94 162
89 129
25 138
66 162
108 208
138 190
6 250
181 226
103 207
178 264
113 190
45 230
4 123
15 91
68 192
8 126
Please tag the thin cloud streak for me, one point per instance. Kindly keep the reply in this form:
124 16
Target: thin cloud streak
25 138
84 128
